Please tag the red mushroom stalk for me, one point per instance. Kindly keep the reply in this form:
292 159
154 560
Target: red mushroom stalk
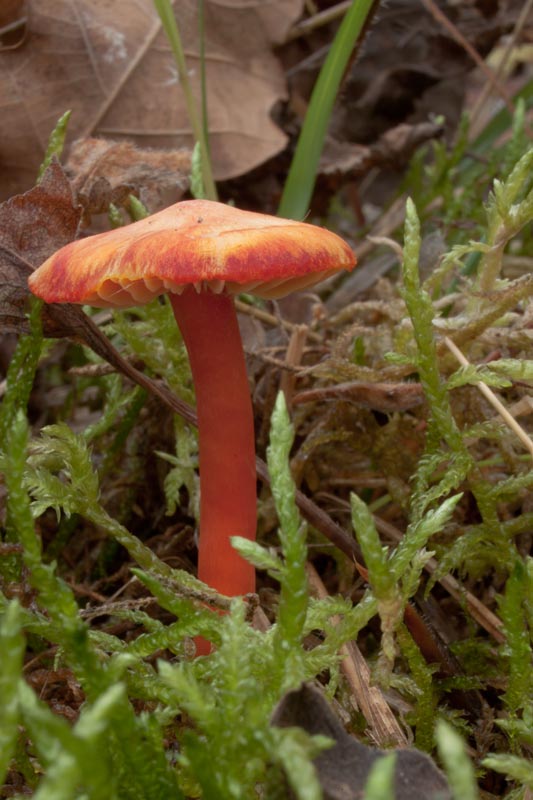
208 324
201 253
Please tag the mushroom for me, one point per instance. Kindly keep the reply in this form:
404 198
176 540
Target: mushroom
202 253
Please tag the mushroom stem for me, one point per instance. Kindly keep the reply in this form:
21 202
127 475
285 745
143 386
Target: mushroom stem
209 327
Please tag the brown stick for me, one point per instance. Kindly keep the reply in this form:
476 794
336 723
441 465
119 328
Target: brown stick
370 699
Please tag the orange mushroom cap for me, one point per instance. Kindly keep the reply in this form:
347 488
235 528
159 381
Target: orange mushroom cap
199 242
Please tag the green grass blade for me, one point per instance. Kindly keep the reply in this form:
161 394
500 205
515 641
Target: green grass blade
302 174
170 26
203 72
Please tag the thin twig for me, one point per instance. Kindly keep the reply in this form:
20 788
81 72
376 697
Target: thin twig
295 351
272 319
493 400
317 20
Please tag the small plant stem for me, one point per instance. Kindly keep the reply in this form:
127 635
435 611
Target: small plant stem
209 327
203 77
55 143
168 20
493 400
420 308
307 26
490 269
442 424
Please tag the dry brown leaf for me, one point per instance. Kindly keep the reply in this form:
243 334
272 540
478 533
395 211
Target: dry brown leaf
33 226
109 61
343 769
394 148
104 172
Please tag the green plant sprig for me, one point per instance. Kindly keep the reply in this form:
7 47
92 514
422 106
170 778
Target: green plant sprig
459 769
441 424
55 596
56 142
12 647
426 696
294 595
52 736
21 371
517 649
510 207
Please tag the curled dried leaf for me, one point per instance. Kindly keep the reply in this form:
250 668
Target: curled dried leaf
33 225
104 172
